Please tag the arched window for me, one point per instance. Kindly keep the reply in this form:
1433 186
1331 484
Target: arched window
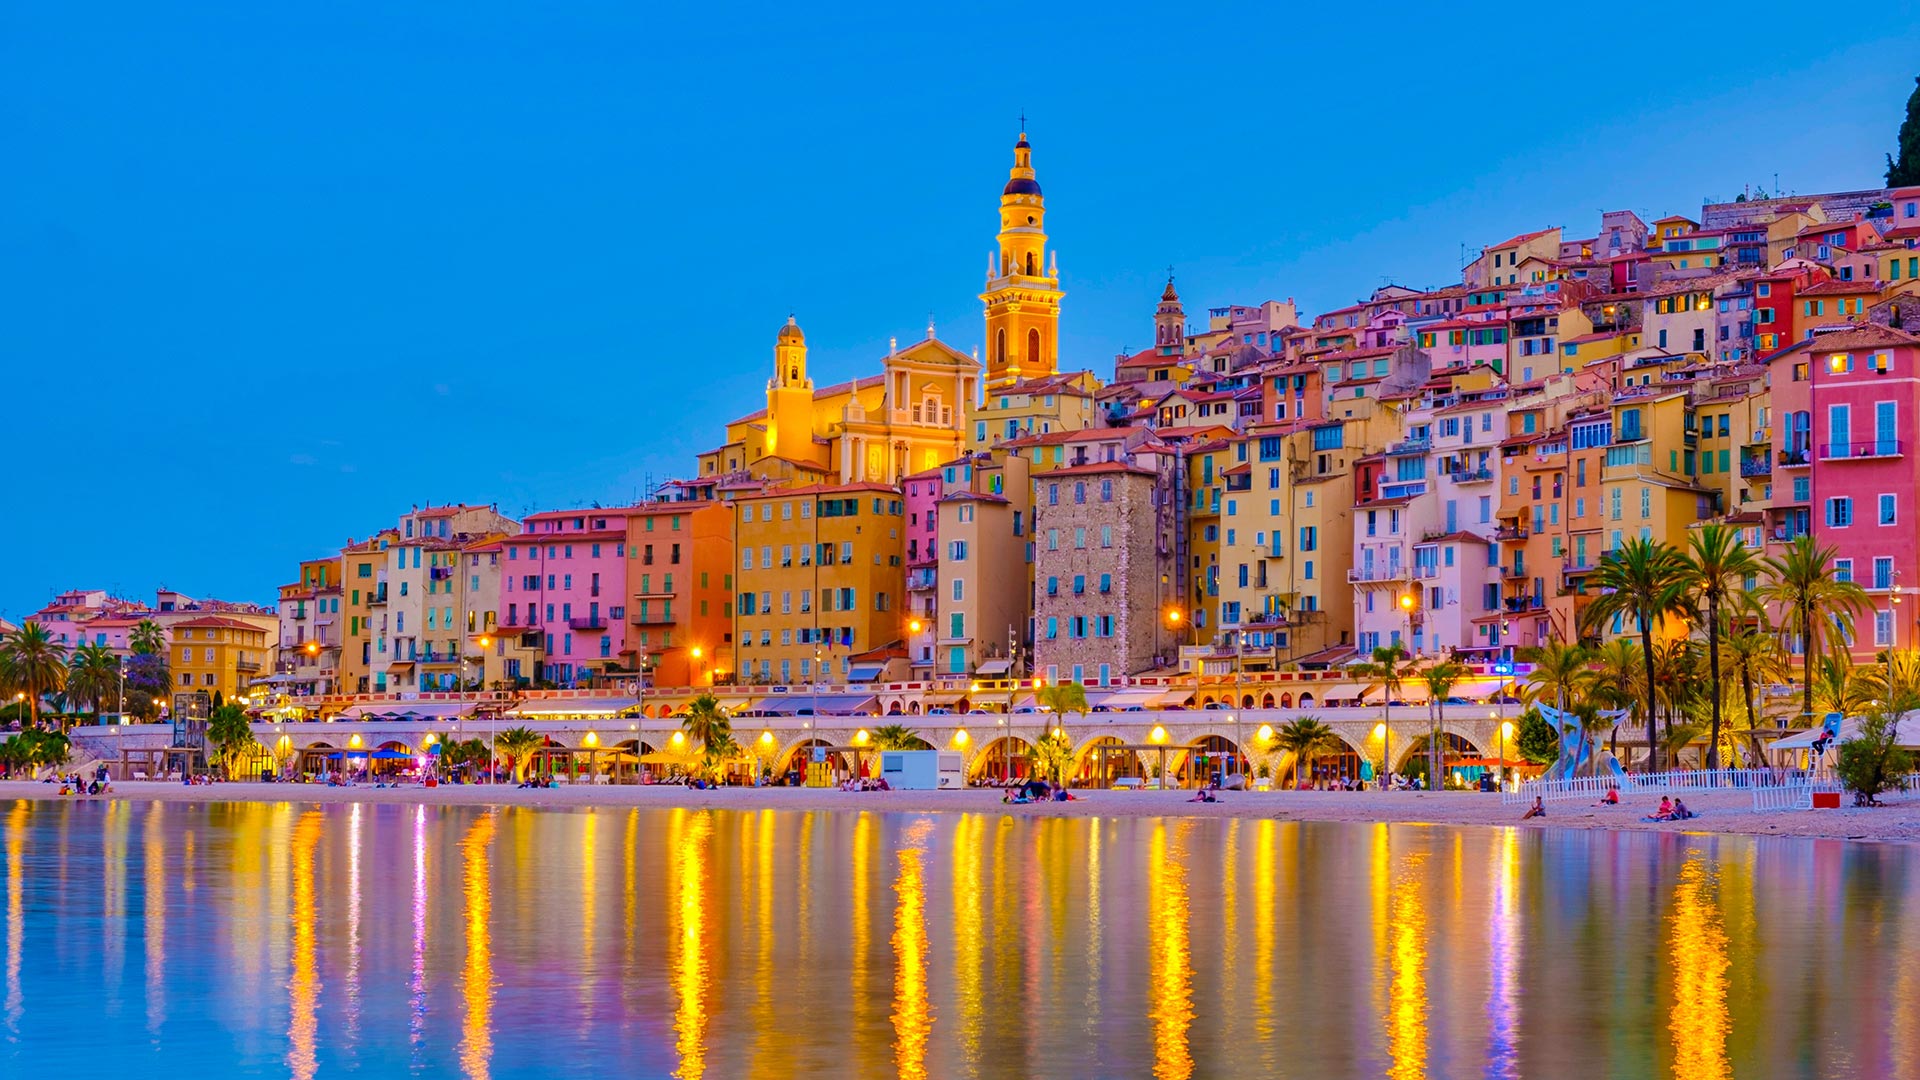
1031 257
1033 348
793 374
1000 347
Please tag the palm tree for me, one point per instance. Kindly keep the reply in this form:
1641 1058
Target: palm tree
519 744
1304 738
147 637
1386 669
705 722
1803 582
1718 567
1440 680
1561 673
32 663
898 737
229 729
1640 580
1061 699
93 671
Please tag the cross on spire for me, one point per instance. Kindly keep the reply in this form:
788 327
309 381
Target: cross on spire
1169 271
1023 119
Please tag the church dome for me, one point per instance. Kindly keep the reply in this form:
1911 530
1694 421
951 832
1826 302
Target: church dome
1021 186
791 331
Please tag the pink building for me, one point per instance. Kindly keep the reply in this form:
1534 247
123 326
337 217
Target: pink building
566 575
1850 466
923 491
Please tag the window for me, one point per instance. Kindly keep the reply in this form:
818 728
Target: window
1882 571
1840 512
1883 628
1889 514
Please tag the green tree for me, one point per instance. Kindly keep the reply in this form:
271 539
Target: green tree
1536 740
93 676
1388 668
231 733
33 664
1642 582
1306 739
1904 171
147 638
1755 657
1718 567
519 744
898 737
1816 602
1051 756
1872 761
705 722
1440 680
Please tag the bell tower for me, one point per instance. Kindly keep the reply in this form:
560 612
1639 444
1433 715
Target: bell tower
1023 294
790 397
1169 322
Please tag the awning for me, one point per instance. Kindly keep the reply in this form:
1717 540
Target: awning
580 706
399 663
1475 689
1337 691
865 672
817 704
416 710
943 697
1143 696
993 667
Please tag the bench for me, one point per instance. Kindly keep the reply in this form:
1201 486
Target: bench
1127 783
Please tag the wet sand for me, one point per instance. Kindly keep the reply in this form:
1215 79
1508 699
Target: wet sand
1730 812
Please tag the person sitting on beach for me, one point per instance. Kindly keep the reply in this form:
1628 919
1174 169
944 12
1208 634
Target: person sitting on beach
1665 813
1680 811
1611 798
1203 795
1539 809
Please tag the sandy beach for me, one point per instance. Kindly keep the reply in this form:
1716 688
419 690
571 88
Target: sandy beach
1729 812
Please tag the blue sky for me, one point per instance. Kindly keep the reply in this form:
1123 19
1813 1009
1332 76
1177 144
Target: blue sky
274 273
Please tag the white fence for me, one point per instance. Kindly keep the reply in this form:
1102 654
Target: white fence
1793 796
1593 787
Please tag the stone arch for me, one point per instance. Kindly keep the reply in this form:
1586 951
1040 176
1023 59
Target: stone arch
1266 700
1003 756
894 709
913 708
1033 336
1085 770
1306 700
792 757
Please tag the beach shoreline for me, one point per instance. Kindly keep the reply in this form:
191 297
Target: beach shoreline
1719 812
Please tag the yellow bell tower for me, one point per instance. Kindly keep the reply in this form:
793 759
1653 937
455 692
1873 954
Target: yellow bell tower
790 397
1023 283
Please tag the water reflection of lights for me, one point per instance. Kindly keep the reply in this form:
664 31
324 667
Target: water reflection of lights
476 984
354 822
417 980
154 901
303 987
969 942
1265 920
16 911
1697 942
689 836
1503 948
912 1013
1170 993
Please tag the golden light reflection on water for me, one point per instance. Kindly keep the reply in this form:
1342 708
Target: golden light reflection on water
589 894
417 976
1503 949
1697 944
16 911
1407 992
303 986
355 841
969 943
1170 994
1265 921
689 835
766 1046
912 1012
862 875
476 984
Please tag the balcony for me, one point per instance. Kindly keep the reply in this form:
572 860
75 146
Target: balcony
379 595
590 623
1795 458
248 666
1425 572
656 618
1511 532
1471 476
1756 466
1410 446
1363 574
1872 448
1515 571
437 656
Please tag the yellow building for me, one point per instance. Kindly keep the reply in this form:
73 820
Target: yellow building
1023 283
1206 463
215 654
1648 485
821 578
363 584
878 428
1063 402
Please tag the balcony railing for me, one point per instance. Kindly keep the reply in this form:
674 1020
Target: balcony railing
1423 571
1873 448
655 618
1377 573
1511 532
1756 466
1471 476
437 656
1513 571
587 622
1791 458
